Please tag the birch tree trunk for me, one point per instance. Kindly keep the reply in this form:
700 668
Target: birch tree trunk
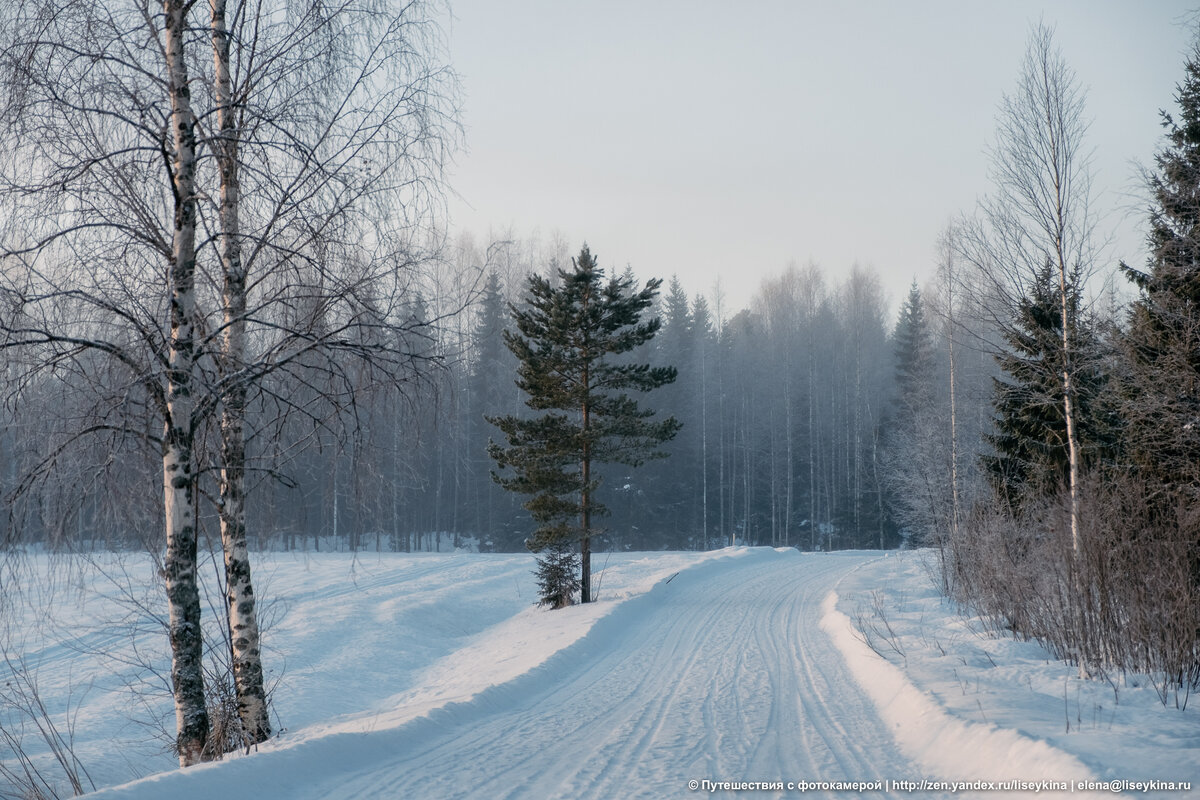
1068 402
1040 218
1045 174
955 515
239 590
179 476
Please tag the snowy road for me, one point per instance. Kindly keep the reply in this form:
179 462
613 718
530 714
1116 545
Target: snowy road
722 674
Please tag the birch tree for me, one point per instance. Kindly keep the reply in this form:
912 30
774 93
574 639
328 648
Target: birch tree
1037 228
179 474
341 117
126 156
240 600
100 190
1040 215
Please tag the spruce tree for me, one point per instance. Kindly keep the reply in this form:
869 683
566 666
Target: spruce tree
1163 338
567 342
914 357
1031 458
909 447
671 492
491 367
558 574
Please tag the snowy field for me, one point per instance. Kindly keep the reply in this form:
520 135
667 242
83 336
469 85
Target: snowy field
433 676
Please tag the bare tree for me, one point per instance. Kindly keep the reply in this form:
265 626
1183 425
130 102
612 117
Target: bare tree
101 192
1037 226
126 156
1039 215
240 599
332 112
179 466
946 278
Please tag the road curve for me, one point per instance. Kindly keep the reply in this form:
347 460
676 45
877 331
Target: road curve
722 674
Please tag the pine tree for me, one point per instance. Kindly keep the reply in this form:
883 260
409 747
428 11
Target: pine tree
566 341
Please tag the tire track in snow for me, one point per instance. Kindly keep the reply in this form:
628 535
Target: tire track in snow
723 674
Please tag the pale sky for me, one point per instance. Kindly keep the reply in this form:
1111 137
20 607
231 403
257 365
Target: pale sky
711 139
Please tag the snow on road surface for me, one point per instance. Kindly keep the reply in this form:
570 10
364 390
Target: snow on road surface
434 677
720 673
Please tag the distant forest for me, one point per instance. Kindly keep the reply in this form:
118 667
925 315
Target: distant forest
786 409
232 319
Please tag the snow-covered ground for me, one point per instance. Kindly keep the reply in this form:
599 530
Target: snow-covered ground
349 640
965 697
433 676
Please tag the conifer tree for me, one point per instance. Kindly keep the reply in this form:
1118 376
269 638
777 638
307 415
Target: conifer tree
910 447
1031 458
914 356
1161 390
674 498
566 341
558 574
491 366
1163 339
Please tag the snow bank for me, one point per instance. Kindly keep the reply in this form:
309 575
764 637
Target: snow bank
354 642
948 747
1118 729
492 671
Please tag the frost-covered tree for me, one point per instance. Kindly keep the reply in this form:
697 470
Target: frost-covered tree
211 241
911 458
913 347
100 259
489 387
677 510
1039 214
704 344
1161 387
1032 457
1163 338
569 341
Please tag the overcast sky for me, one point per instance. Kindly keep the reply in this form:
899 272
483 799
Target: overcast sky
705 138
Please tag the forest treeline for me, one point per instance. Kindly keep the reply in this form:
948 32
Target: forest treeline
231 318
784 405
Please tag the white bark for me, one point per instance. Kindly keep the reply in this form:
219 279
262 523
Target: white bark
244 635
1040 218
179 478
